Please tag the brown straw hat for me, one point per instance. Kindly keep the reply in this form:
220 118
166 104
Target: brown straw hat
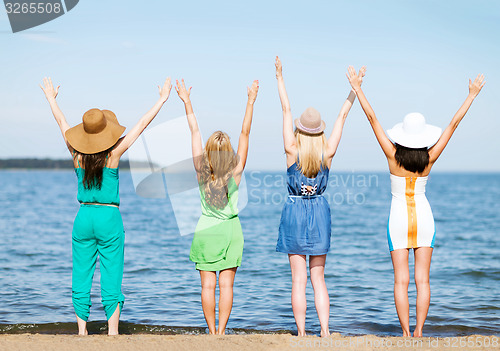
99 131
310 122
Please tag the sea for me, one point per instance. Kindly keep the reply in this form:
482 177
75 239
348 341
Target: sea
162 287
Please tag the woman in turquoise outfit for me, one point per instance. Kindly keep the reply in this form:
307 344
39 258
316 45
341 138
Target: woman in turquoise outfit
305 226
96 146
218 239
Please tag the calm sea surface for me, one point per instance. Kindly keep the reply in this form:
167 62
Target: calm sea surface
162 288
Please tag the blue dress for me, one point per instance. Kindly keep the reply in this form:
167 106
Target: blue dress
305 226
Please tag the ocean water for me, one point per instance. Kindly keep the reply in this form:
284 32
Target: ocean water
162 288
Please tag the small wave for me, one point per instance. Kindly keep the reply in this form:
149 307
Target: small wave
125 328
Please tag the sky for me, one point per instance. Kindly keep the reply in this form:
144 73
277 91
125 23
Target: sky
113 54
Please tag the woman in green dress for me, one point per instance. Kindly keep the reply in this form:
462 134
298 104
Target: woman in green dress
218 239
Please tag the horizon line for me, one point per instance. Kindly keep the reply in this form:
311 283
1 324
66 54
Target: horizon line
249 169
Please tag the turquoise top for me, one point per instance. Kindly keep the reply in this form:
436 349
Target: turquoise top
108 194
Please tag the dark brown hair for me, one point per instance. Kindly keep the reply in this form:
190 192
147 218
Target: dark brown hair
92 165
413 160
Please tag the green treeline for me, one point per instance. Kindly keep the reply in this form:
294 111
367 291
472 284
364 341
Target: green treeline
46 163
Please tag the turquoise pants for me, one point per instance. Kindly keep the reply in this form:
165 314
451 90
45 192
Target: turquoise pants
98 230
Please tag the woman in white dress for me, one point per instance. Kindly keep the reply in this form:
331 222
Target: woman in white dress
414 149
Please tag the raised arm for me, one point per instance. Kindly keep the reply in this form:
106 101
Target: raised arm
289 140
474 89
334 139
51 94
245 132
127 141
196 144
387 146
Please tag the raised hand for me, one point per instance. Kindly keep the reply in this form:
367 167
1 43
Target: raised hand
165 90
279 68
48 88
474 89
182 91
355 79
252 91
362 72
476 86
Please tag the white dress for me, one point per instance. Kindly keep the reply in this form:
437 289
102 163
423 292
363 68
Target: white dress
411 223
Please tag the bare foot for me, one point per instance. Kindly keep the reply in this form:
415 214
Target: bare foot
301 334
325 333
417 333
113 330
406 333
82 326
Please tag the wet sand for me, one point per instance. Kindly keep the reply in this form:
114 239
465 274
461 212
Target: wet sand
253 342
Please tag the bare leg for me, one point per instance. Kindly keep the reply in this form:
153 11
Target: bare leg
113 321
226 281
82 326
208 283
321 298
299 281
422 267
401 281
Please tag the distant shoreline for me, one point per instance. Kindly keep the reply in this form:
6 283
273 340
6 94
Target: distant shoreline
26 164
49 164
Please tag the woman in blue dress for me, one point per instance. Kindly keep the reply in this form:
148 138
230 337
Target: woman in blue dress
305 226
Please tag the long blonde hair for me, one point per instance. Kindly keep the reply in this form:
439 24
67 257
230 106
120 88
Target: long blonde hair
311 151
218 162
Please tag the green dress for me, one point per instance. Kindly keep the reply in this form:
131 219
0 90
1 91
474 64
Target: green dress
218 238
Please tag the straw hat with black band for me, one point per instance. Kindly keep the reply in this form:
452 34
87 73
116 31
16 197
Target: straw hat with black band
98 131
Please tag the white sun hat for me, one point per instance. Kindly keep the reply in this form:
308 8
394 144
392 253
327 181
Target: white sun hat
414 133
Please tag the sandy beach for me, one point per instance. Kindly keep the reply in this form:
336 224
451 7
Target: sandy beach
254 342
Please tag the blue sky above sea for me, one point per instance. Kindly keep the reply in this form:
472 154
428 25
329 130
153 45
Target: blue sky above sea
112 55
